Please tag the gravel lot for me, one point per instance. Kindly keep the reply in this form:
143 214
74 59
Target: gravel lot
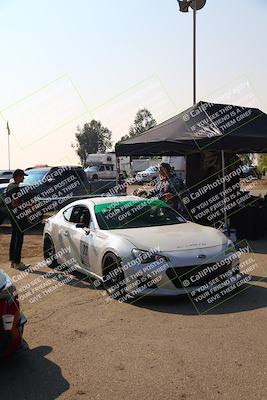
83 347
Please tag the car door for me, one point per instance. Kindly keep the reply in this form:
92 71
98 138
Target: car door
102 171
108 171
62 245
79 236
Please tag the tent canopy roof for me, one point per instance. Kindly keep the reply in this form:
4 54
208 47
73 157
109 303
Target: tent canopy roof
205 126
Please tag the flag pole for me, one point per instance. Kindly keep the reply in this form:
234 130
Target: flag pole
194 53
8 144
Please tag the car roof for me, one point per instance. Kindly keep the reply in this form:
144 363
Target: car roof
112 199
71 167
38 169
101 200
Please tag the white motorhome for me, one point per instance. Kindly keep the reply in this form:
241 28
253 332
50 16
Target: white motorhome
105 166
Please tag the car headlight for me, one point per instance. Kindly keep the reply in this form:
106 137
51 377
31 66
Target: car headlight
230 247
8 321
146 257
8 292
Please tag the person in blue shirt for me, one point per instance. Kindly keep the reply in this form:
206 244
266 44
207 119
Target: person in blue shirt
170 188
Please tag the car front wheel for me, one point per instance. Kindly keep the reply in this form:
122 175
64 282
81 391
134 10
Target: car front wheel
114 278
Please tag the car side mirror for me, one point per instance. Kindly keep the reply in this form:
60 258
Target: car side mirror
80 225
50 180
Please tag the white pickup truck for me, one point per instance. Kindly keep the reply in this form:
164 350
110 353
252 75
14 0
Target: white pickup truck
104 166
103 171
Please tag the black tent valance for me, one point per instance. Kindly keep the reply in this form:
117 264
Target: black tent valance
205 126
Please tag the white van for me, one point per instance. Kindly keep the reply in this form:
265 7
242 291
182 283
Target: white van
102 171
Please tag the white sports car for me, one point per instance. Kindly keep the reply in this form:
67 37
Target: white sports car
136 247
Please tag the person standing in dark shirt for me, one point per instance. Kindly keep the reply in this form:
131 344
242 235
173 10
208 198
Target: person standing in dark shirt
15 202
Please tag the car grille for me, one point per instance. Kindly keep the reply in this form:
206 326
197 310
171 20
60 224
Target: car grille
147 282
178 275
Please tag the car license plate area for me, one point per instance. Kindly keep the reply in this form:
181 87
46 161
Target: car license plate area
195 275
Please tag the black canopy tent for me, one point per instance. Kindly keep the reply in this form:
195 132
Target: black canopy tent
205 126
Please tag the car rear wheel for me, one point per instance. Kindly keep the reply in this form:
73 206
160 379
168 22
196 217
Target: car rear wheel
113 277
49 253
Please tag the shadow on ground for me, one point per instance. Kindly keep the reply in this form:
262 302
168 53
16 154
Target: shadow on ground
248 299
259 246
31 375
78 279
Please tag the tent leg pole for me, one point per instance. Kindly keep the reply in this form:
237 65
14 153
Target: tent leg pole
118 170
224 190
194 55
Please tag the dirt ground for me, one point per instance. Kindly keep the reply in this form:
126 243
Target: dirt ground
84 347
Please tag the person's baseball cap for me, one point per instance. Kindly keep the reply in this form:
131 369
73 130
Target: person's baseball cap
19 172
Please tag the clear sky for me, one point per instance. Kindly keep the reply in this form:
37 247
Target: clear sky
64 62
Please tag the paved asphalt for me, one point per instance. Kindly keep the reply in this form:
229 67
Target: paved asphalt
83 347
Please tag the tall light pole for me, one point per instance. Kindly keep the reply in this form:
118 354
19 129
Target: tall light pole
184 7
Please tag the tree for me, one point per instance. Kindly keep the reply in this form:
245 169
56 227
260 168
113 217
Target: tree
262 160
246 159
92 138
143 122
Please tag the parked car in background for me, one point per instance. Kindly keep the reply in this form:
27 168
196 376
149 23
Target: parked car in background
106 166
5 176
251 172
100 171
12 320
148 175
48 189
37 166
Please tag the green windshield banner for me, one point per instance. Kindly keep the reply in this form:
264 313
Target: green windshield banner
123 205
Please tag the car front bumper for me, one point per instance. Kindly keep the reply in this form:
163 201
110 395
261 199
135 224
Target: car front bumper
163 280
11 341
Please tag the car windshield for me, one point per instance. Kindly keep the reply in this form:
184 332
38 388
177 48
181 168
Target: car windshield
151 169
136 214
5 173
94 168
34 176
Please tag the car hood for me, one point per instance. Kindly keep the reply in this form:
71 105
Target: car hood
173 237
3 279
3 187
146 173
